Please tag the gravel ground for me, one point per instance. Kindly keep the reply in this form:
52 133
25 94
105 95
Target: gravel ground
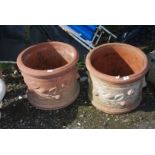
16 111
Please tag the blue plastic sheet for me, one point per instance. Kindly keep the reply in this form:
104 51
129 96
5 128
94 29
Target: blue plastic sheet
86 31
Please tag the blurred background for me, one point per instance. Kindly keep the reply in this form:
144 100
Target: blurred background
14 38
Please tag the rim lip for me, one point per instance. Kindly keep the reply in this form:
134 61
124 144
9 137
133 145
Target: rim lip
45 73
112 79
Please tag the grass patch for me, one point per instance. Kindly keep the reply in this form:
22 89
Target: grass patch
4 66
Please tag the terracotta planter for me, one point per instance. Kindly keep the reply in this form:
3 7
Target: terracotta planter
116 77
49 70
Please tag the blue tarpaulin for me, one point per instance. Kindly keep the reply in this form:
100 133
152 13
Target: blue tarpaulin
86 31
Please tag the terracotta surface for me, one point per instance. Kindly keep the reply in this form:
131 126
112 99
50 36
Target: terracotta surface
116 77
49 70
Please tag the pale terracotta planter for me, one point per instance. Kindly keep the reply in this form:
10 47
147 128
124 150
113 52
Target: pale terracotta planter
116 77
49 70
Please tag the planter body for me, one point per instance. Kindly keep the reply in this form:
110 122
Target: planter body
116 77
49 70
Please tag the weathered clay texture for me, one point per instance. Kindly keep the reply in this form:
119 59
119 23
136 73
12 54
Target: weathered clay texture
116 77
49 70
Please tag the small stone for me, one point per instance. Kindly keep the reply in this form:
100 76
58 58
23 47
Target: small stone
15 72
19 97
106 115
117 77
78 124
81 115
57 111
126 78
83 79
141 118
116 119
85 121
50 70
126 120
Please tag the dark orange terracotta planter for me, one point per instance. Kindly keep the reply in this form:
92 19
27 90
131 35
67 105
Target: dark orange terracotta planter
117 76
49 70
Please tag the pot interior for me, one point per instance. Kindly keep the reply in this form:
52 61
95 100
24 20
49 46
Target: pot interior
47 56
117 60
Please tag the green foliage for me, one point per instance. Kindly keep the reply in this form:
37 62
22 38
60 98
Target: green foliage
81 64
4 66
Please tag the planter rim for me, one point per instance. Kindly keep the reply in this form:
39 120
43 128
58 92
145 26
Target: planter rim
47 72
132 78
